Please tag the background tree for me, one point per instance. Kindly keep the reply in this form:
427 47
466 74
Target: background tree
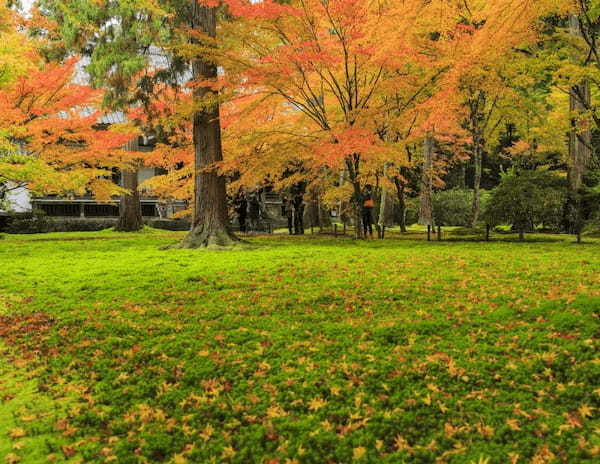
525 199
117 42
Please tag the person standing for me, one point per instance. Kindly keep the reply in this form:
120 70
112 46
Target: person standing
254 211
241 209
288 212
298 203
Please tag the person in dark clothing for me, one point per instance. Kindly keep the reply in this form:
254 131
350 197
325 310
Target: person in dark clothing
367 210
288 212
241 209
298 203
254 211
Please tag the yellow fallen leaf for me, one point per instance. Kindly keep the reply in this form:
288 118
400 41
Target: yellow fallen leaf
228 452
179 459
17 432
359 453
586 411
207 432
316 403
12 458
513 424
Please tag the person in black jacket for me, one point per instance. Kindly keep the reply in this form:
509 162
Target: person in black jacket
288 211
298 202
241 209
254 211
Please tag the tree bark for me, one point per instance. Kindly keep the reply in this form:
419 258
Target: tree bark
476 128
426 207
130 208
383 202
401 203
579 141
210 225
477 160
352 165
462 178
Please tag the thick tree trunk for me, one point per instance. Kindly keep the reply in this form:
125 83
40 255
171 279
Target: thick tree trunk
401 202
477 160
426 206
210 226
130 208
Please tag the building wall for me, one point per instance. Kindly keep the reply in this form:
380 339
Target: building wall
19 200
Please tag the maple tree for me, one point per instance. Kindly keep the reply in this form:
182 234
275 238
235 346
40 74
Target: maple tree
328 65
51 141
360 88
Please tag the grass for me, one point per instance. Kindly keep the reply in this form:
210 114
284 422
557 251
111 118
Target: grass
299 350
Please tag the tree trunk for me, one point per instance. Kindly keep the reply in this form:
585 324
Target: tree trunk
383 202
426 207
352 165
462 178
210 226
579 141
476 128
401 203
477 159
521 234
130 208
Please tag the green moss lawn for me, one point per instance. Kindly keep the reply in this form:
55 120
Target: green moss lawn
298 350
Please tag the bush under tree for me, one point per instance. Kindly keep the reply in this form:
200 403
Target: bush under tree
525 199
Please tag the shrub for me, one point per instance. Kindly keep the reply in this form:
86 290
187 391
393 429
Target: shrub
582 209
450 207
81 224
37 222
33 222
526 199
412 211
455 207
169 224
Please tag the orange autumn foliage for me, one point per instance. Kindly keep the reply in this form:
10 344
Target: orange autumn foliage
51 139
318 87
350 84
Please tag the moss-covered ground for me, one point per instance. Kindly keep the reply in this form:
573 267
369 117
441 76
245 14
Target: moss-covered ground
299 350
